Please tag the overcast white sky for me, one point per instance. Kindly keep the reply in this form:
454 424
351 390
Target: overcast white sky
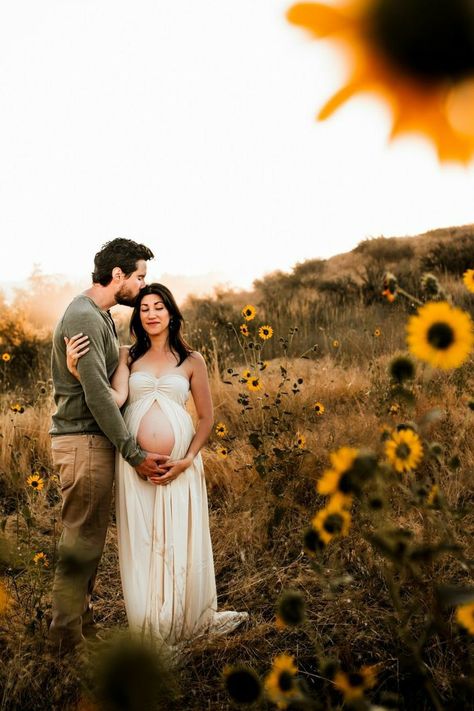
189 125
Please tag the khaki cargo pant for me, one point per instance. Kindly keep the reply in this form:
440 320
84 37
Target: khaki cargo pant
85 464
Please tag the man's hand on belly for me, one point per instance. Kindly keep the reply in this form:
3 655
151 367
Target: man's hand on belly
151 465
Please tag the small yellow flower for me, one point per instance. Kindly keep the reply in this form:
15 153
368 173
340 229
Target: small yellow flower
335 343
35 481
468 278
221 429
440 334
248 312
319 408
244 330
433 498
337 478
254 383
6 357
465 616
17 408
41 558
281 685
246 375
300 440
222 452
353 685
377 333
404 450
333 521
389 295
263 364
265 332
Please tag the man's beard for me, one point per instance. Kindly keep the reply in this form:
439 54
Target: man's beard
124 298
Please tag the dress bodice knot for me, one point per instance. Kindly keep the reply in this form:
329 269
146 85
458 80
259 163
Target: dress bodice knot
174 386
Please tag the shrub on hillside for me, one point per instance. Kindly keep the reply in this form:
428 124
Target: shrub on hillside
451 256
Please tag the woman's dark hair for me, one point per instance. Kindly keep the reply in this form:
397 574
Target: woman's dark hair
142 341
120 252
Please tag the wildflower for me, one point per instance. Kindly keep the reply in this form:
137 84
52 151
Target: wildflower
246 375
244 330
41 558
280 684
265 332
404 450
433 498
335 343
394 48
242 684
16 407
300 440
35 481
402 368
353 685
350 468
440 334
262 364
222 452
468 279
377 333
319 408
254 383
248 312
221 429
333 521
312 541
465 616
390 286
431 286
290 609
6 357
5 600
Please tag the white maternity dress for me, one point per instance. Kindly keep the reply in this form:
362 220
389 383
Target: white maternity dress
165 552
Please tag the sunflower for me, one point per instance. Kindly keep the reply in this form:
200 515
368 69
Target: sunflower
41 558
465 616
440 334
281 685
244 330
353 685
377 333
262 364
335 343
333 521
248 312
16 407
35 481
319 408
222 452
404 450
468 279
421 62
265 332
300 440
242 684
6 357
338 477
246 375
433 499
254 383
221 429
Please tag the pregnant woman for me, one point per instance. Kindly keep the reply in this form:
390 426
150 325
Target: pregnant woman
165 551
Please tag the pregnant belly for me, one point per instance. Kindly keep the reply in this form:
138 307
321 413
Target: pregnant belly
155 433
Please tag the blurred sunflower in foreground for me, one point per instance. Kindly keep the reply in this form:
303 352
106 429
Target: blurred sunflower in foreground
416 54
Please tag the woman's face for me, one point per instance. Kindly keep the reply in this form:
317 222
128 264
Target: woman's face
154 315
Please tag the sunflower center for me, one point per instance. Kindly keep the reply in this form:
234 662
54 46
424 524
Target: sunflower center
285 681
433 41
333 523
402 451
34 483
440 336
355 679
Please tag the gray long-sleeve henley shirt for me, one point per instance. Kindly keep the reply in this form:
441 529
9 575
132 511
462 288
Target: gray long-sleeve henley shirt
87 407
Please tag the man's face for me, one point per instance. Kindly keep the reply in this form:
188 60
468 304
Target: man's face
130 288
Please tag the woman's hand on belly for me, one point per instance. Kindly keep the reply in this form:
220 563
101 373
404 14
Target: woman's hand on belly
175 468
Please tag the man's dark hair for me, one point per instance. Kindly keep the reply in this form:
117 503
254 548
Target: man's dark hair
120 252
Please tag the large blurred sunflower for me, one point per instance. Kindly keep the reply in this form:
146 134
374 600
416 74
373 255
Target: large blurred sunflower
281 685
416 54
440 334
332 521
353 685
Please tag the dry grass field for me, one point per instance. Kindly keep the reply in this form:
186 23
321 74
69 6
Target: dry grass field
358 606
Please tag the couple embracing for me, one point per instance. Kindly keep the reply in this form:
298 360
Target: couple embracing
152 451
